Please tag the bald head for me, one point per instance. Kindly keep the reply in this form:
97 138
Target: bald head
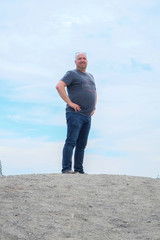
81 61
78 53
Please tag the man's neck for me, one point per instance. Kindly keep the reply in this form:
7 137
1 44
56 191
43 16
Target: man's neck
81 70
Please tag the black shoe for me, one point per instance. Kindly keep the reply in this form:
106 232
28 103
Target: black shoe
68 172
79 172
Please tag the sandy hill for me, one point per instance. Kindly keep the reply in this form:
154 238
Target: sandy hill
65 206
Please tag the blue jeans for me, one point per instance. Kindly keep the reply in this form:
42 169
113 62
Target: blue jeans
78 127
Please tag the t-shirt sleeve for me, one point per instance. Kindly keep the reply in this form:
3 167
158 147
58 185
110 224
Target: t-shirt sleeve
68 78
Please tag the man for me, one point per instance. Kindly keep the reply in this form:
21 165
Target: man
81 104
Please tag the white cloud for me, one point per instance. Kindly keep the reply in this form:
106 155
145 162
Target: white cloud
20 156
27 156
4 133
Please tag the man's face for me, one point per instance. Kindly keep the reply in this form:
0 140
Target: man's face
81 62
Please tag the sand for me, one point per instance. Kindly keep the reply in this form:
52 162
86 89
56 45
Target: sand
77 206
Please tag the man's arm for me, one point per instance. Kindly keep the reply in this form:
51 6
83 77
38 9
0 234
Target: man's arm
62 92
95 104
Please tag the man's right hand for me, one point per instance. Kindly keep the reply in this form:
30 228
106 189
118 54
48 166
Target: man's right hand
75 106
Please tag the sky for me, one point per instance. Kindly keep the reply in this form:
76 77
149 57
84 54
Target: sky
38 43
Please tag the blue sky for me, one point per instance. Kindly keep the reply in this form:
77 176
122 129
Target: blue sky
38 43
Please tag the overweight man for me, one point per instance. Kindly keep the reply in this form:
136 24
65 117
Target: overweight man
77 88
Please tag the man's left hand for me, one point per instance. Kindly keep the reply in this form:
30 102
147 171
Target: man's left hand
92 112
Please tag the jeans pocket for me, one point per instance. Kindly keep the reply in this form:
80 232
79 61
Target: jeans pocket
68 116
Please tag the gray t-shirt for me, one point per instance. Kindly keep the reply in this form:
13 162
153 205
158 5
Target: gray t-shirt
81 90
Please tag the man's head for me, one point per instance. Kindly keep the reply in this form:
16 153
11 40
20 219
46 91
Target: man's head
81 61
